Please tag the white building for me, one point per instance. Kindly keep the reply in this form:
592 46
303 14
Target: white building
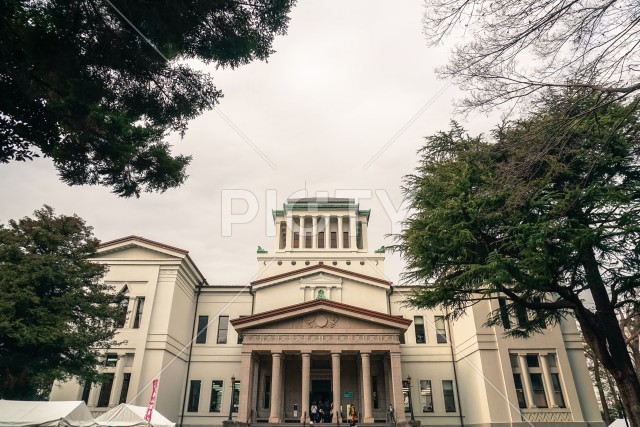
320 323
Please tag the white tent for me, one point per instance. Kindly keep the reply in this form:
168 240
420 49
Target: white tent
620 422
18 413
125 415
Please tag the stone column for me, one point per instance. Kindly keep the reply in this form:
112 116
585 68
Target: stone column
116 388
245 387
276 391
396 379
314 232
366 386
253 414
306 387
548 384
353 235
288 244
327 231
340 240
301 232
388 385
335 382
526 380
365 235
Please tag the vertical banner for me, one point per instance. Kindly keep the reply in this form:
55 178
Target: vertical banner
152 401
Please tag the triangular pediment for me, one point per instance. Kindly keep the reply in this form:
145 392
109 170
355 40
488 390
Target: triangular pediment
328 272
135 247
318 315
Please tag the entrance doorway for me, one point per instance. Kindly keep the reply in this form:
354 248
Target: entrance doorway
321 396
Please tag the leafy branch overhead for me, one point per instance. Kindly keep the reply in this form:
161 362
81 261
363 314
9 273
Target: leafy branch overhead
78 84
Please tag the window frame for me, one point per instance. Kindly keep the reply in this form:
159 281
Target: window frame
441 333
193 402
203 326
419 330
225 329
445 394
426 395
219 393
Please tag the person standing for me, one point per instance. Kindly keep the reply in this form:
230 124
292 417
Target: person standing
352 415
391 414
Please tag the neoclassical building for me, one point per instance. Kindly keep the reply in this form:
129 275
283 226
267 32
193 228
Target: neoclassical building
321 326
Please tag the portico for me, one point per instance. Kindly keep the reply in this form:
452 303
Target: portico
290 356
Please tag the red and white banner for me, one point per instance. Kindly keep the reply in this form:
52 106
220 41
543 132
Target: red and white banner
152 401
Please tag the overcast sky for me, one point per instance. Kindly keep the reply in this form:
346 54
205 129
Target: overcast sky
335 108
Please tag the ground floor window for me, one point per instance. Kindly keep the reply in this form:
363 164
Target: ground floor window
236 395
405 393
126 379
426 396
449 400
194 396
216 396
105 391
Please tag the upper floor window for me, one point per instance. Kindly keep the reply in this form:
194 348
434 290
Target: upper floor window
334 240
321 240
203 322
138 316
345 239
223 329
544 384
418 322
359 242
307 239
296 239
441 332
110 360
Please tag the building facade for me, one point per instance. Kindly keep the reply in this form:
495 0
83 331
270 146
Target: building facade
320 329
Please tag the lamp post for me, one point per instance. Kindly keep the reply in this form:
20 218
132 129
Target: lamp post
233 386
410 401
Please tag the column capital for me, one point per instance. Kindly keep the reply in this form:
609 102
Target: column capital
276 353
336 352
305 353
364 353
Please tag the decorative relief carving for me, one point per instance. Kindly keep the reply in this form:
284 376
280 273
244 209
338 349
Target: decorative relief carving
321 320
548 416
320 338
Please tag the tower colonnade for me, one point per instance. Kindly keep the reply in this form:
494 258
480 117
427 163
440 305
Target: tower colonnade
321 231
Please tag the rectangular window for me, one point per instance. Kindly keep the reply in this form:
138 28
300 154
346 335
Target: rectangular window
533 361
126 379
521 315
426 396
236 395
405 396
321 240
418 322
110 360
267 392
296 239
223 329
504 313
194 396
539 398
449 399
105 391
138 317
122 317
557 390
86 389
203 321
374 389
359 236
441 332
283 235
308 238
334 240
517 379
345 239
216 396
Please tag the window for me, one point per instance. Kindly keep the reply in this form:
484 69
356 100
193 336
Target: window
308 237
521 315
216 396
296 239
223 328
374 388
122 315
557 390
126 379
539 398
110 360
267 392
236 395
334 240
426 396
283 235
405 396
449 400
504 313
203 321
441 333
345 239
86 389
105 391
194 396
321 240
359 236
138 317
418 322
533 361
517 379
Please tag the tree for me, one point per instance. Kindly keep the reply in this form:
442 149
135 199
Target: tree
54 310
97 85
549 219
518 47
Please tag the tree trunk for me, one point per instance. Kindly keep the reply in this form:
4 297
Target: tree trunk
603 399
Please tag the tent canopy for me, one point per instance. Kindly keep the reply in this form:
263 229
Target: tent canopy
125 415
17 413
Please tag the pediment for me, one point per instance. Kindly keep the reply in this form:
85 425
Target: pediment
326 272
321 279
320 316
136 247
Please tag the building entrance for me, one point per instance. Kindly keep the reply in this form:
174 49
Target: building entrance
321 397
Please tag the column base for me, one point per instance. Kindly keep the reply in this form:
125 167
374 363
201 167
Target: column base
275 420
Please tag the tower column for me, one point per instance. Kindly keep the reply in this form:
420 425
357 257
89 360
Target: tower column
306 389
276 391
301 236
340 240
366 386
526 380
398 394
353 242
335 382
327 231
288 244
546 376
314 232
245 387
